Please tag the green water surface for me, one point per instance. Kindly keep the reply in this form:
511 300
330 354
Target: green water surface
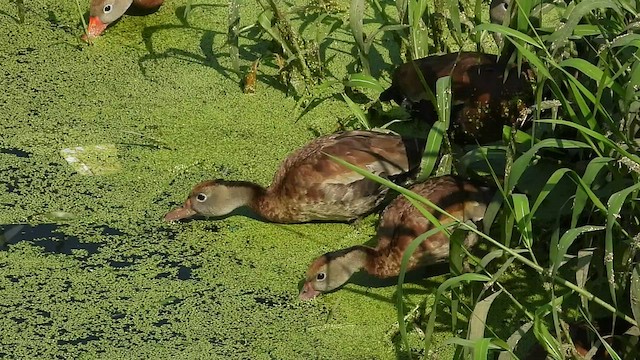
87 267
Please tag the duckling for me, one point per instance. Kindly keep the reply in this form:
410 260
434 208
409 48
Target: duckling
400 224
104 12
310 186
483 99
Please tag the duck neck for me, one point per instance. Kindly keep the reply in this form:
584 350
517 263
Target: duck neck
354 259
243 193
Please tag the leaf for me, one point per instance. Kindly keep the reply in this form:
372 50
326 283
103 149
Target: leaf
513 340
580 201
478 318
431 150
451 282
558 251
357 112
408 252
522 163
614 205
382 29
523 218
581 9
356 16
363 80
634 293
595 135
593 72
507 31
582 271
540 330
233 19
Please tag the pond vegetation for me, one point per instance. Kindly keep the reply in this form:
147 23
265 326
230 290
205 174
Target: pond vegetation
98 142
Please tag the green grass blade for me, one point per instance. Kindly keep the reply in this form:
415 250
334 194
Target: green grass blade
523 219
634 293
449 283
558 251
365 81
522 163
593 72
540 330
478 318
591 172
431 150
356 17
551 183
595 135
615 203
232 31
582 270
411 248
581 9
357 112
507 31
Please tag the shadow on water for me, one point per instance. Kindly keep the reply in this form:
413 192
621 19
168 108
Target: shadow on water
15 151
48 236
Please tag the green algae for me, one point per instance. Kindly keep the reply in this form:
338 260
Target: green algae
109 279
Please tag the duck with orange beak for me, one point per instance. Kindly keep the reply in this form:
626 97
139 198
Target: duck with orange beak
104 12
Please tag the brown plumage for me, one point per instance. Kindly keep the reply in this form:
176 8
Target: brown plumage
401 223
310 186
104 12
483 100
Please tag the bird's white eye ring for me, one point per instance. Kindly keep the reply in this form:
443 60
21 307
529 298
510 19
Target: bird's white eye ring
201 197
321 276
107 8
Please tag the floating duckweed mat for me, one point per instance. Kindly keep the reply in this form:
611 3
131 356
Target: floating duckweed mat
87 267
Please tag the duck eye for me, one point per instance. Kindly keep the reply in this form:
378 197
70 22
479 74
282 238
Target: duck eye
320 276
201 197
504 6
107 8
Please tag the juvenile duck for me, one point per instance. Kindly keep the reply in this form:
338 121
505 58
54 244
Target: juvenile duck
483 99
400 224
104 12
310 186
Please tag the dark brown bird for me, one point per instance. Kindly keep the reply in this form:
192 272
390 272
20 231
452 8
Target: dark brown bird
310 186
483 98
104 12
401 223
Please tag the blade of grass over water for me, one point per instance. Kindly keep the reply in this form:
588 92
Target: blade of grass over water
232 32
80 15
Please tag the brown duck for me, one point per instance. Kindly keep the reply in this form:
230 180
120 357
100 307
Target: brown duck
400 224
310 186
104 12
483 99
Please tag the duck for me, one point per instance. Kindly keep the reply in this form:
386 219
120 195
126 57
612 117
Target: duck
498 10
399 225
104 12
310 186
483 99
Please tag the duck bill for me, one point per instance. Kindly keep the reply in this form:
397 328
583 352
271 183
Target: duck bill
96 27
308 292
183 212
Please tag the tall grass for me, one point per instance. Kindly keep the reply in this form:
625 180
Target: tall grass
566 210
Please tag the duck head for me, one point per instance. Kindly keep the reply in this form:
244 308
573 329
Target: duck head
215 198
332 270
104 12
